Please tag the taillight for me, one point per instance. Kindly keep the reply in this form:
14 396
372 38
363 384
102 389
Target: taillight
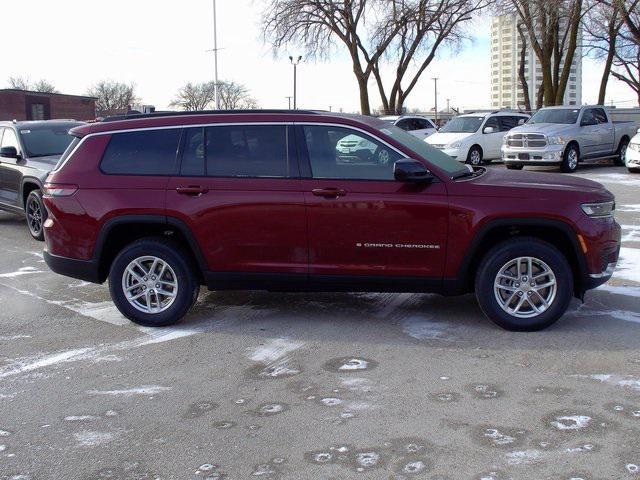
59 189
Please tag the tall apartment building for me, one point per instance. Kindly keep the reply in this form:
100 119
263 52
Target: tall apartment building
506 91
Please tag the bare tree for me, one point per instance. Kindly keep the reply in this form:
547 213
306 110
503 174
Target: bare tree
194 96
200 96
364 27
553 27
44 86
629 10
602 27
24 83
425 25
112 97
234 96
626 62
522 76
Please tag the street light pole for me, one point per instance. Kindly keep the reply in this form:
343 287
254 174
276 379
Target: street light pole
215 57
295 63
435 108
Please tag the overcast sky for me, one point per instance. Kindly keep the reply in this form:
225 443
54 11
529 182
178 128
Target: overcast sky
161 44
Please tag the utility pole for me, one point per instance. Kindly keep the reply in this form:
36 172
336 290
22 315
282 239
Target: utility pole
435 101
215 57
448 109
289 98
295 63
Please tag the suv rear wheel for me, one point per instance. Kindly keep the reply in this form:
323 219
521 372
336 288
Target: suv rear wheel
524 284
152 283
36 214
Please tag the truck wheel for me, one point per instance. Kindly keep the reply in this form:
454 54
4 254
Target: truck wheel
152 282
621 159
524 284
515 167
36 214
474 157
570 160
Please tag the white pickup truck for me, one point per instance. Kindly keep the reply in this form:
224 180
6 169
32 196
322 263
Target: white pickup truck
566 136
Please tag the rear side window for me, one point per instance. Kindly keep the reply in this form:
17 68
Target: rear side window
236 151
507 123
147 152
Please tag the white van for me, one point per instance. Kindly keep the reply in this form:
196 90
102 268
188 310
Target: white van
475 138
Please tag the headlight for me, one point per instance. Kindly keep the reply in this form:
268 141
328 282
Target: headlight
559 140
635 146
595 210
455 145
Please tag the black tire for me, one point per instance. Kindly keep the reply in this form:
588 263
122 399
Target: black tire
474 157
619 160
500 256
36 214
177 259
569 162
515 167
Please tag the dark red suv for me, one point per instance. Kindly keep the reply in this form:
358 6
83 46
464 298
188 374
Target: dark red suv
313 201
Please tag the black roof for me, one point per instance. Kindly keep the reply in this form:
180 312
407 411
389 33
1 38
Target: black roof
133 116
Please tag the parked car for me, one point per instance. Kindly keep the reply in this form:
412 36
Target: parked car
162 204
416 125
476 138
28 152
566 136
633 154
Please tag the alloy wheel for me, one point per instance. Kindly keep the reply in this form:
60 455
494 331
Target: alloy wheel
475 157
34 216
573 159
525 287
150 284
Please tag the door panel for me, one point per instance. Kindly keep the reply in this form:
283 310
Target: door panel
491 142
10 173
361 221
242 220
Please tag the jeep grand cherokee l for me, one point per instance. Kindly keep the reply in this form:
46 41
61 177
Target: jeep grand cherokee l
160 205
28 152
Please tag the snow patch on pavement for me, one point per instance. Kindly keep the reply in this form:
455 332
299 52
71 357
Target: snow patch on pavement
571 422
274 350
31 364
20 272
523 457
626 381
628 208
422 328
628 265
93 439
131 392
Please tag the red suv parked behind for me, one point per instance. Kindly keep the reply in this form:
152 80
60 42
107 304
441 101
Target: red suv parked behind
313 201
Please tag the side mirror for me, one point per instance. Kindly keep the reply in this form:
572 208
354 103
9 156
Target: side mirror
8 152
522 121
408 170
488 130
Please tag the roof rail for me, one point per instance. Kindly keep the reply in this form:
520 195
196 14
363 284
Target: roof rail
134 116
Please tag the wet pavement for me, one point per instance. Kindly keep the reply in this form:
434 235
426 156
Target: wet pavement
317 386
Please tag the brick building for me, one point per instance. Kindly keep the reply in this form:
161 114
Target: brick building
25 105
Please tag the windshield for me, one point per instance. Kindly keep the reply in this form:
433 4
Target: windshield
463 125
46 140
556 115
425 151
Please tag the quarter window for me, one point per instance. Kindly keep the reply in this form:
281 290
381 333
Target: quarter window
342 153
146 152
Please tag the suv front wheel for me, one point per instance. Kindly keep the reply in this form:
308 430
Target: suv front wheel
524 284
152 283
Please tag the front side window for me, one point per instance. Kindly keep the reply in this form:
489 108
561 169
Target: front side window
145 152
507 123
463 125
493 123
9 139
343 153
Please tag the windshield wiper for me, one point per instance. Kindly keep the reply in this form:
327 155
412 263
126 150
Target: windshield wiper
44 155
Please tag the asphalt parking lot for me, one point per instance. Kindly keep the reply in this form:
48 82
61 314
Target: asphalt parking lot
317 386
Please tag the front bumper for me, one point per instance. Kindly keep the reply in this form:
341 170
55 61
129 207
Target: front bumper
458 154
550 155
602 245
87 270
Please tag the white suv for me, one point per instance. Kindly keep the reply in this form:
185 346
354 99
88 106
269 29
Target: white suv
416 125
475 138
632 155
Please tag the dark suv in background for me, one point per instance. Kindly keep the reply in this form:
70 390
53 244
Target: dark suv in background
28 152
270 200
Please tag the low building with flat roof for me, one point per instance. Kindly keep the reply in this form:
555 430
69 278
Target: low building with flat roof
26 105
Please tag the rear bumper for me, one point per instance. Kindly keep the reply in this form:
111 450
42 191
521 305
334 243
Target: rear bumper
87 270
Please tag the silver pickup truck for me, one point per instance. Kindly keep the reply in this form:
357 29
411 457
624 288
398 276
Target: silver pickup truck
566 136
